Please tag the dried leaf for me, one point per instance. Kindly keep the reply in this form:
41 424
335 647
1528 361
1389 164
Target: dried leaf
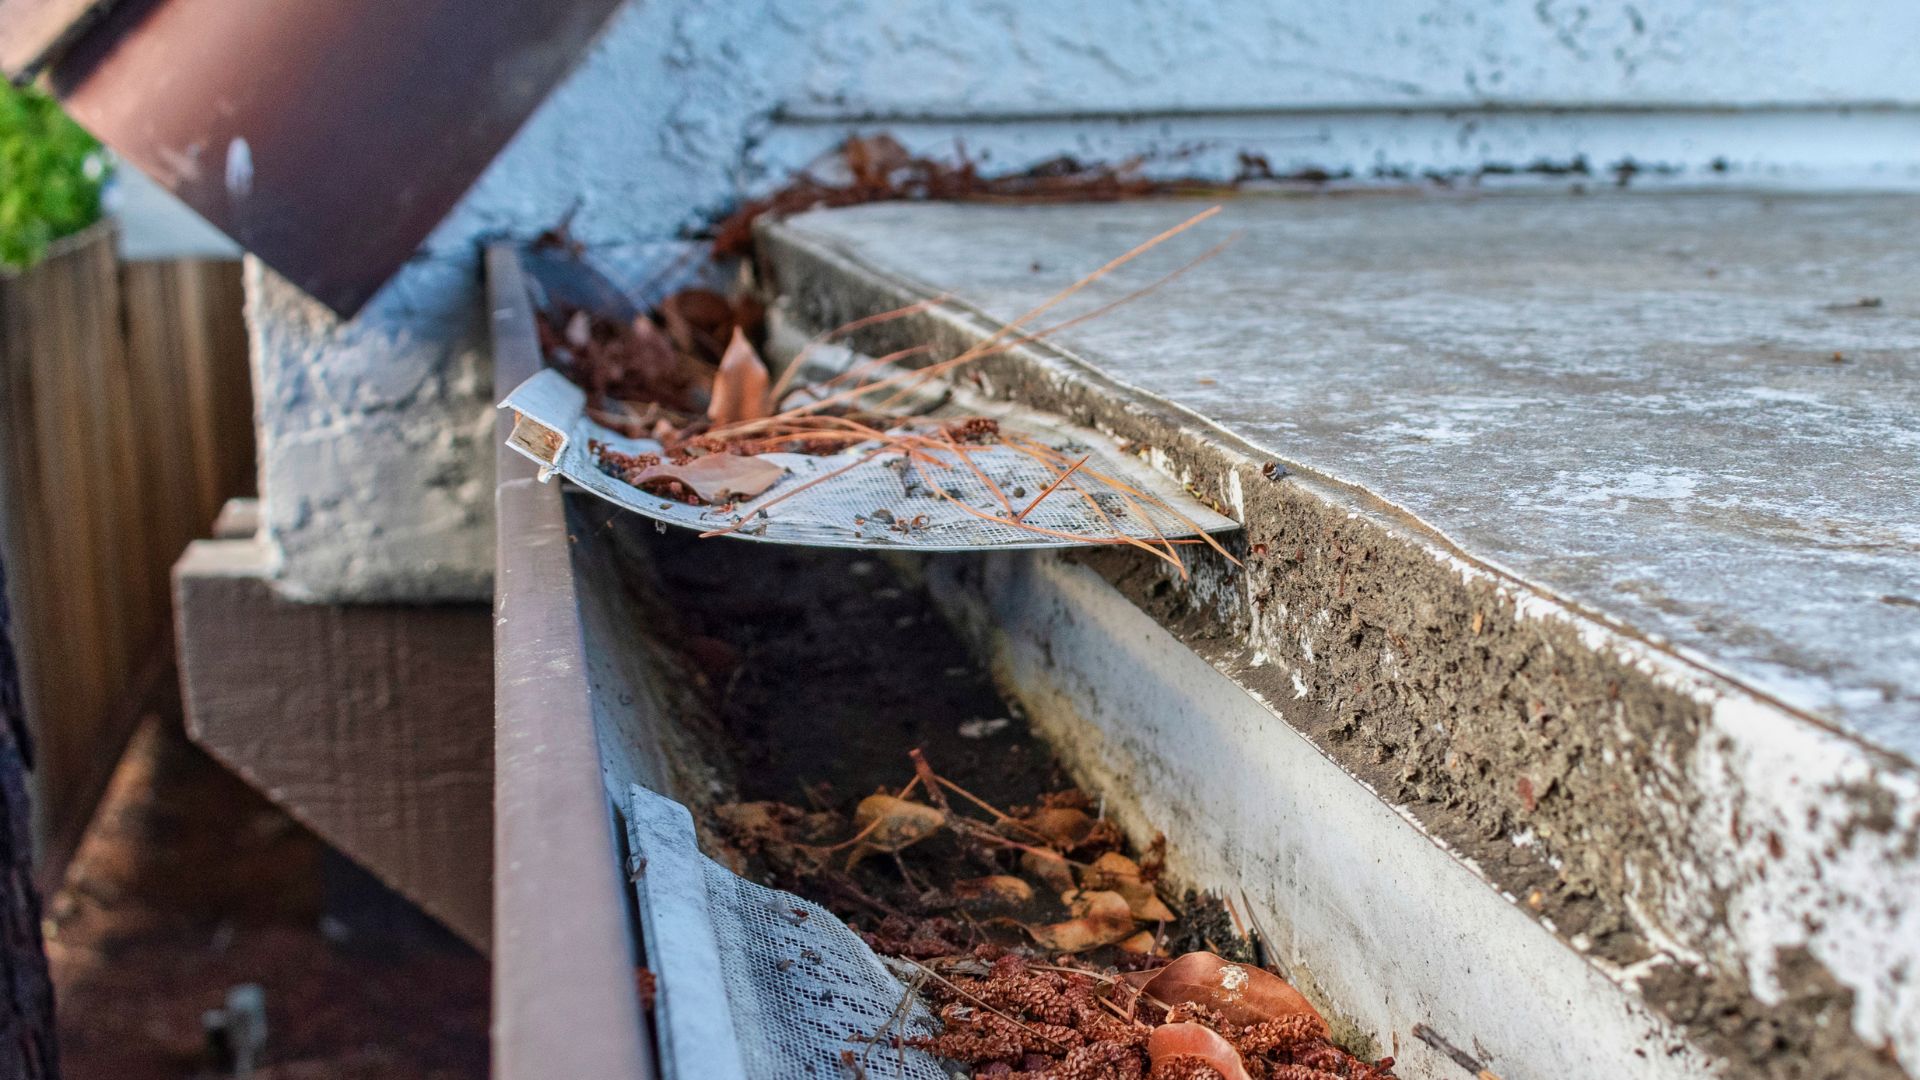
740 386
1002 890
873 168
1108 868
759 820
1122 875
897 822
717 478
781 833
890 824
1142 903
1050 868
1064 827
1100 918
874 159
1190 1040
698 320
1140 944
1241 993
649 356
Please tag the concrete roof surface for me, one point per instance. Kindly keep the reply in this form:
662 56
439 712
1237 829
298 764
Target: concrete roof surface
1630 400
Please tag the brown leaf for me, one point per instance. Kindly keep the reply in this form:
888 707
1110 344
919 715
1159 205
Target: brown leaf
1100 918
1050 868
1196 1041
760 820
698 320
871 168
873 159
1064 827
1241 993
1003 890
740 386
717 478
781 833
1109 867
895 824
1122 875
1140 944
1142 903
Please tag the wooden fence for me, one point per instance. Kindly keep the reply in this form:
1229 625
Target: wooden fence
125 423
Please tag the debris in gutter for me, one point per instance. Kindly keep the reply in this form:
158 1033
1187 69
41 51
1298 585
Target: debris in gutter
1018 996
877 168
681 420
842 684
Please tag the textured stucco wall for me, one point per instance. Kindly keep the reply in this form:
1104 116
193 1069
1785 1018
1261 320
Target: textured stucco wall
374 473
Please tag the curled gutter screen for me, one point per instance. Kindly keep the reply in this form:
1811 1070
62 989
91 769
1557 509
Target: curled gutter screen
327 137
866 497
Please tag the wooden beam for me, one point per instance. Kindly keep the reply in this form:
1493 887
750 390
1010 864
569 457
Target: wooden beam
32 31
86 621
370 723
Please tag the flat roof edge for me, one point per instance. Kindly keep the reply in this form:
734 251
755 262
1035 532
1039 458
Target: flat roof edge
1695 837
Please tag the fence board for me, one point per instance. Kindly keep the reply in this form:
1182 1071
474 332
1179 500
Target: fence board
124 423
186 358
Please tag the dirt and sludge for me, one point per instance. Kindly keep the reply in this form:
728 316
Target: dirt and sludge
873 768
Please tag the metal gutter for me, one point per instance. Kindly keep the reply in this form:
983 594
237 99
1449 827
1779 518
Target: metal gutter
565 999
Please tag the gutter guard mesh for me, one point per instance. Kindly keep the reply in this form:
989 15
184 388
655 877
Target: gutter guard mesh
885 502
754 983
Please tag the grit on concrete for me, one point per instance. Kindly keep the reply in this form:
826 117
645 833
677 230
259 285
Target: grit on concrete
189 883
1697 416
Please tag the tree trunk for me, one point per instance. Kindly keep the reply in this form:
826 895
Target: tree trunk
27 1046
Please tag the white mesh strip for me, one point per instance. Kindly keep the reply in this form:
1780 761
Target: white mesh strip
794 987
889 501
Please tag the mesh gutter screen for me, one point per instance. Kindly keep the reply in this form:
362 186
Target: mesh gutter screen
888 501
753 983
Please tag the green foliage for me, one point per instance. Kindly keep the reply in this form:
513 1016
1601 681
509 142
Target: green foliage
50 175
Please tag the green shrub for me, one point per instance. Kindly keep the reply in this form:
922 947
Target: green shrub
50 175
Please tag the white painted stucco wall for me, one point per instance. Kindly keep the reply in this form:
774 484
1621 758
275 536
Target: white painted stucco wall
374 469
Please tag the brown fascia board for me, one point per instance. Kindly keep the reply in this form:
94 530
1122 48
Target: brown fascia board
32 32
327 137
